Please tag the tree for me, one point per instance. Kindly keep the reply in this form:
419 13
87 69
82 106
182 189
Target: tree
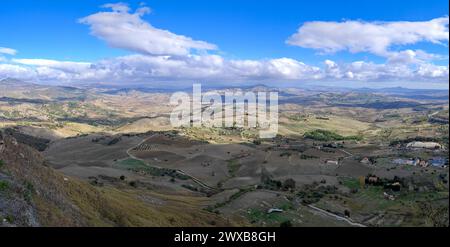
289 184
347 213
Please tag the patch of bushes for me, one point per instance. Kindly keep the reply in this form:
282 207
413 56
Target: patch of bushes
394 184
309 194
257 142
29 190
276 185
325 135
4 185
10 219
271 184
166 172
285 154
289 184
307 157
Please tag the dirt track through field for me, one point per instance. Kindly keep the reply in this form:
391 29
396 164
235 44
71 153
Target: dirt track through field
336 216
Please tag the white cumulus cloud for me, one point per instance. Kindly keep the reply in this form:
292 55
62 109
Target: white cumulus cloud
122 29
144 69
373 37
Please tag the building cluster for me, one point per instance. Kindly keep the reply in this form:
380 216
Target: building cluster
436 162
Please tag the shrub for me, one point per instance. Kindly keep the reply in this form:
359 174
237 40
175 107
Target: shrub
29 190
347 213
9 218
4 185
285 154
289 184
287 223
257 142
307 157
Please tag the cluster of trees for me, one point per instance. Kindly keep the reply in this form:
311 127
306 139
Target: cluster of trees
267 182
394 184
325 135
271 184
312 193
106 140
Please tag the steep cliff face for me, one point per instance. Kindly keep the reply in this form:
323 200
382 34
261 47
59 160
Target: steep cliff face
34 194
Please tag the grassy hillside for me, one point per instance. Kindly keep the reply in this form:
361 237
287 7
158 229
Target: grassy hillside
33 194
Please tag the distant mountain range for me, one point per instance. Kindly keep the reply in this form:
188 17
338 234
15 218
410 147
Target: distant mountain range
11 84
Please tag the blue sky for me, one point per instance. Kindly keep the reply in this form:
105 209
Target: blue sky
240 31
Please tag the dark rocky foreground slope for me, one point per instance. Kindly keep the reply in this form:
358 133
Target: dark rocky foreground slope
33 194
